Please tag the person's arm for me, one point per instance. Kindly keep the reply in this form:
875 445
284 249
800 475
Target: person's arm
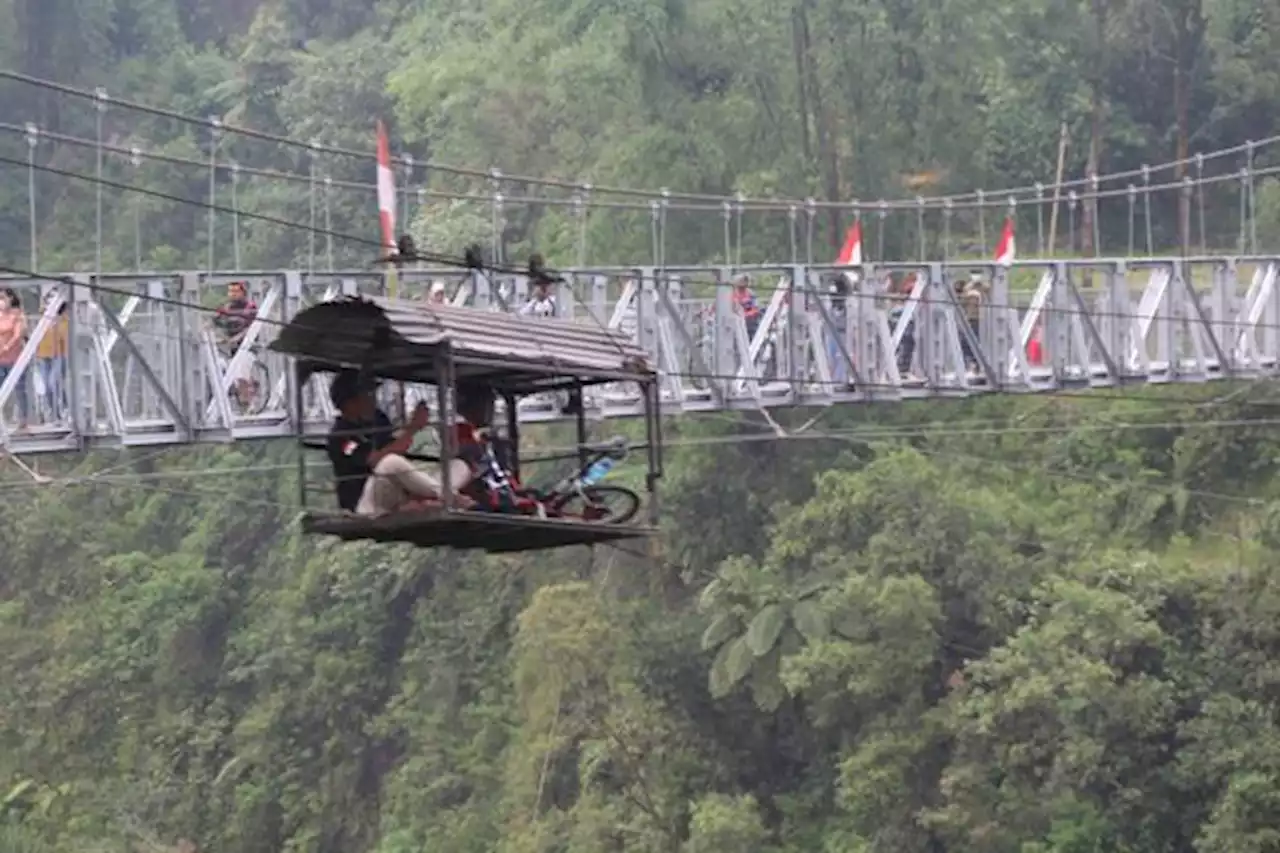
398 447
218 322
12 336
337 443
404 436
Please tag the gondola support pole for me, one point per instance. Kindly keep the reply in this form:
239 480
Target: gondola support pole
444 387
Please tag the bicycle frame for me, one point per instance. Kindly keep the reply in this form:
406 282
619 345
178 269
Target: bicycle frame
576 483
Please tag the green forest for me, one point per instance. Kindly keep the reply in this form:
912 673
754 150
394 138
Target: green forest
1041 625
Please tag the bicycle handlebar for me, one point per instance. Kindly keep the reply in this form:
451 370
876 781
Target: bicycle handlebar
616 446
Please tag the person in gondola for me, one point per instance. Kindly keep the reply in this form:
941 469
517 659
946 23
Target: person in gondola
373 476
493 484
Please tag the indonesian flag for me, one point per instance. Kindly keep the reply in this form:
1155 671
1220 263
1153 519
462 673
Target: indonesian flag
1006 249
386 191
851 252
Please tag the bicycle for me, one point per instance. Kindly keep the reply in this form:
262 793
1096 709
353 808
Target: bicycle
562 499
249 394
581 486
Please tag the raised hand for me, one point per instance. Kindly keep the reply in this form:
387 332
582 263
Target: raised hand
421 417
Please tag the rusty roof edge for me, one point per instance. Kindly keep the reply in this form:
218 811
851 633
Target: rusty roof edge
565 345
441 314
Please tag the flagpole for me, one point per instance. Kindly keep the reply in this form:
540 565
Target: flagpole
1057 186
387 221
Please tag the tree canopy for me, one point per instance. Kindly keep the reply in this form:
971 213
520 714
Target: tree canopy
832 100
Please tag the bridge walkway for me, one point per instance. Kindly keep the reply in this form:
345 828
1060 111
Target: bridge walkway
143 366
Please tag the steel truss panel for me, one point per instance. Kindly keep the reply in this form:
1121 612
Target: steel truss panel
144 365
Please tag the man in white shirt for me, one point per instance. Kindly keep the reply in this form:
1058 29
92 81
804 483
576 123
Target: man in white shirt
541 303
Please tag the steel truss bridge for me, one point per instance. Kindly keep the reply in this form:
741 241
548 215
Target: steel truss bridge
144 366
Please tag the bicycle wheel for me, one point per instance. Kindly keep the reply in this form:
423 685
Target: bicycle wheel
259 389
602 505
238 401
249 396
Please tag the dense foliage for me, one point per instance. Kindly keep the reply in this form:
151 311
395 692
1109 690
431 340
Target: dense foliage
1038 627
1042 626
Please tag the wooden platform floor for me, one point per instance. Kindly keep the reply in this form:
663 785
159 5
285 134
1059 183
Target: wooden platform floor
465 530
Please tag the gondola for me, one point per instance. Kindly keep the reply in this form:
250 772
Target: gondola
430 344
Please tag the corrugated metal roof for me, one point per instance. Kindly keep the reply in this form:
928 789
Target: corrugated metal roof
344 332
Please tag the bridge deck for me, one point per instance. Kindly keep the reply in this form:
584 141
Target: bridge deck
144 366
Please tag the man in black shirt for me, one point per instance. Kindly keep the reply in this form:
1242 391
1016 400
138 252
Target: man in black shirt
367 452
837 285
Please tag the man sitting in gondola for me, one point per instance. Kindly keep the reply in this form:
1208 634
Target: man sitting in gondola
493 484
367 452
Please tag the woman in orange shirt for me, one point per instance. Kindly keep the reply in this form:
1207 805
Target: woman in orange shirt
13 333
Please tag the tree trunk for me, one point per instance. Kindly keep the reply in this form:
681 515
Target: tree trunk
826 134
802 83
1189 29
37 22
1181 98
1090 208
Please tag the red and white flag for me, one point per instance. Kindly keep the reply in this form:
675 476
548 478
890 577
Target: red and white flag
851 252
386 191
1007 248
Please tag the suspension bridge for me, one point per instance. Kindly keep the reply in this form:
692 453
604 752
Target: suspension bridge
143 364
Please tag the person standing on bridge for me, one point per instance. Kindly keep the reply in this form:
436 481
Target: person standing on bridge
542 305
13 336
541 302
373 476
838 286
744 301
232 322
235 317
899 294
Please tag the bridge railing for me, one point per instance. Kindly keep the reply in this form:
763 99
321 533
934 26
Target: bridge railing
138 359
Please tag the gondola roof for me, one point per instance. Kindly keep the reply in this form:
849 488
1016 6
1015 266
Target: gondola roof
402 340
